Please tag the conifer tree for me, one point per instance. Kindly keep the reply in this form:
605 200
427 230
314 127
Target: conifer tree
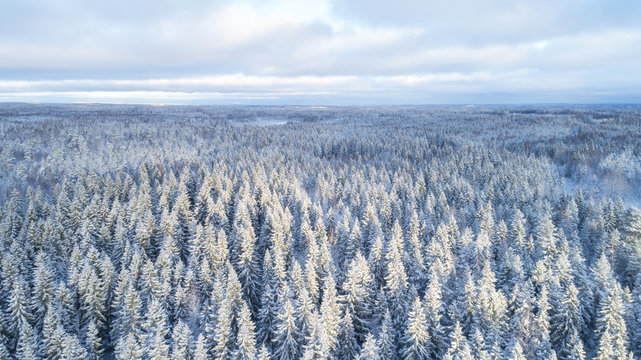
567 321
27 347
396 281
269 303
93 297
18 309
376 262
183 227
359 286
43 289
370 350
200 351
433 307
518 233
478 347
219 252
468 306
574 349
330 312
72 349
311 266
416 271
304 310
94 343
348 347
317 346
634 320
546 236
263 354
223 331
416 341
516 352
388 348
129 348
127 313
248 268
459 348
611 329
53 335
396 278
156 331
543 348
67 307
181 347
246 341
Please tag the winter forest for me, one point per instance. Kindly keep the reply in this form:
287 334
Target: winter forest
371 233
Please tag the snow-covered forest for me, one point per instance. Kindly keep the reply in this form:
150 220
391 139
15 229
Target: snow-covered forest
195 232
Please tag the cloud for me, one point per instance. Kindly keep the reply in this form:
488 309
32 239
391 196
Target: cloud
238 83
406 49
452 87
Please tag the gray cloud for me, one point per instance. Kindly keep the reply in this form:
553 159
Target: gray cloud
284 50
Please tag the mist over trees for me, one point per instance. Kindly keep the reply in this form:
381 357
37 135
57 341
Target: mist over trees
230 232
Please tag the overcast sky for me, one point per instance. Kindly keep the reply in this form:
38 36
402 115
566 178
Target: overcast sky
321 52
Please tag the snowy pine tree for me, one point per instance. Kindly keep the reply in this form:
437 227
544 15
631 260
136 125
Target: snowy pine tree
416 341
246 340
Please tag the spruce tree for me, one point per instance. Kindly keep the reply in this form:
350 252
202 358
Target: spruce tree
223 331
269 304
43 288
478 346
459 348
94 342
247 266
348 346
304 310
181 346
330 312
287 340
200 351
27 346
611 329
52 335
433 306
317 346
18 308
566 322
246 340
263 354
574 349
416 341
388 337
516 352
396 278
359 286
370 349
129 348
155 326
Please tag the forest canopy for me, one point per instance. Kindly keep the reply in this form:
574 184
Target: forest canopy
233 232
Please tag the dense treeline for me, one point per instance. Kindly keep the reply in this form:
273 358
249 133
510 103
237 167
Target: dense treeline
138 232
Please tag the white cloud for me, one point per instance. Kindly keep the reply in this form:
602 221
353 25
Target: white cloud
238 83
291 47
